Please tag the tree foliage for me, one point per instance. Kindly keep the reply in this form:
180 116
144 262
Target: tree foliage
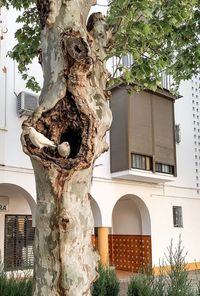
28 38
161 35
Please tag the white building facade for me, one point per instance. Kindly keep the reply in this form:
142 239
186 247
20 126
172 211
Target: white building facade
142 216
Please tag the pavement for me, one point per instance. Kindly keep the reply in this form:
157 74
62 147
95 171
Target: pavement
124 279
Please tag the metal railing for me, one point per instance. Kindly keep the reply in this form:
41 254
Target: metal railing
127 61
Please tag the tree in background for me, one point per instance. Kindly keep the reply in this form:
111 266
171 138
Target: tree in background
161 35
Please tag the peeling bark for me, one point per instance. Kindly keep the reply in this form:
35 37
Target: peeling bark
73 108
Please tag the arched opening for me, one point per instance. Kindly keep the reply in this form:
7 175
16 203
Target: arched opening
19 197
126 218
97 220
130 241
96 212
17 208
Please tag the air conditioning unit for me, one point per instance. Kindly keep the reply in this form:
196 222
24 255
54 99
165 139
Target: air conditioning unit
26 103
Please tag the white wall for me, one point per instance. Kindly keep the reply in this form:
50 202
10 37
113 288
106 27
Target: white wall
18 205
96 213
185 150
100 6
159 201
10 126
20 179
126 218
163 230
3 72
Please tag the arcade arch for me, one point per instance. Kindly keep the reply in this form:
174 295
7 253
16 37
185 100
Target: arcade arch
16 227
130 241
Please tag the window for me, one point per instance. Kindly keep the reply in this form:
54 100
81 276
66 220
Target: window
127 60
177 216
141 162
164 168
18 242
177 133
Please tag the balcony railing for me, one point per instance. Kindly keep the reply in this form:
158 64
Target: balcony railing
127 61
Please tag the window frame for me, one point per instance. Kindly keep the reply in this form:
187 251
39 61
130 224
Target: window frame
177 212
164 168
142 162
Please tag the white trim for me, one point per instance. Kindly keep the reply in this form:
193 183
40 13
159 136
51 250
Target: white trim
144 176
6 168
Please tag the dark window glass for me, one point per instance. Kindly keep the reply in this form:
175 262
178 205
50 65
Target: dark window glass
141 162
177 133
177 216
164 168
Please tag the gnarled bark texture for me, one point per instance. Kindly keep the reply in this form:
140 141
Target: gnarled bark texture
73 108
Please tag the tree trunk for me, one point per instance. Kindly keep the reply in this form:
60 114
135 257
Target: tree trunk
73 108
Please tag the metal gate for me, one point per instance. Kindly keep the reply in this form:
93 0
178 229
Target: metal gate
130 252
18 242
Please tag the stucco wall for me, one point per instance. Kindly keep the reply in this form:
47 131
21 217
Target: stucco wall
126 218
18 205
158 200
10 124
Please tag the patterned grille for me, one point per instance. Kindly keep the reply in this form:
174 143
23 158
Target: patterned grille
130 252
18 243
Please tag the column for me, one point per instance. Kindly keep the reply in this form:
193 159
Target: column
103 245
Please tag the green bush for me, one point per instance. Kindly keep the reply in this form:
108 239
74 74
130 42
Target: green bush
15 286
178 283
141 285
172 281
107 283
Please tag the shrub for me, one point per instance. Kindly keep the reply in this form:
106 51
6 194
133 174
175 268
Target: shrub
178 283
172 280
107 283
15 286
141 285
159 285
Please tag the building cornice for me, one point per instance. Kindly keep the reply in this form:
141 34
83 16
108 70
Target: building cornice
16 169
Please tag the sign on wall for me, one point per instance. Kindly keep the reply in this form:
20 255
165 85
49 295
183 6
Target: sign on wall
4 203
